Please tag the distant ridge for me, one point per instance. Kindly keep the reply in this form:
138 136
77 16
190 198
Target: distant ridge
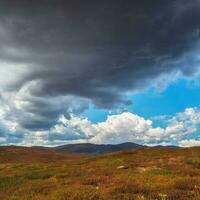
18 154
88 148
168 146
43 152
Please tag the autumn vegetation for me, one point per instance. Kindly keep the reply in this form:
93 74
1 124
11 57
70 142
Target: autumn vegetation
138 174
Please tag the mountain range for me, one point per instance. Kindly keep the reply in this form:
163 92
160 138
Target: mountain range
80 148
88 148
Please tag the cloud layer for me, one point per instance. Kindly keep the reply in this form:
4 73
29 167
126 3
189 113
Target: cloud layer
58 57
133 128
180 130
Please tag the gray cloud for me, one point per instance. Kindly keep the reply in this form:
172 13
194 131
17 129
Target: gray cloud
81 52
8 136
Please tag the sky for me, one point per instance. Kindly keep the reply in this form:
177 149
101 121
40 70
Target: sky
102 71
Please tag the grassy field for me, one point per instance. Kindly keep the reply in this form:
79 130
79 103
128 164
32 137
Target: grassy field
140 174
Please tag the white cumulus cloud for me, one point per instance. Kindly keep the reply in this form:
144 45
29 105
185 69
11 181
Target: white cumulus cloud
189 143
180 129
130 127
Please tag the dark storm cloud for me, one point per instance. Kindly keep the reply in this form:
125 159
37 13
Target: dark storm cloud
95 50
41 113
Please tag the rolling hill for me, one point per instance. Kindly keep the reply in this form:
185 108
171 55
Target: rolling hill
88 148
16 154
